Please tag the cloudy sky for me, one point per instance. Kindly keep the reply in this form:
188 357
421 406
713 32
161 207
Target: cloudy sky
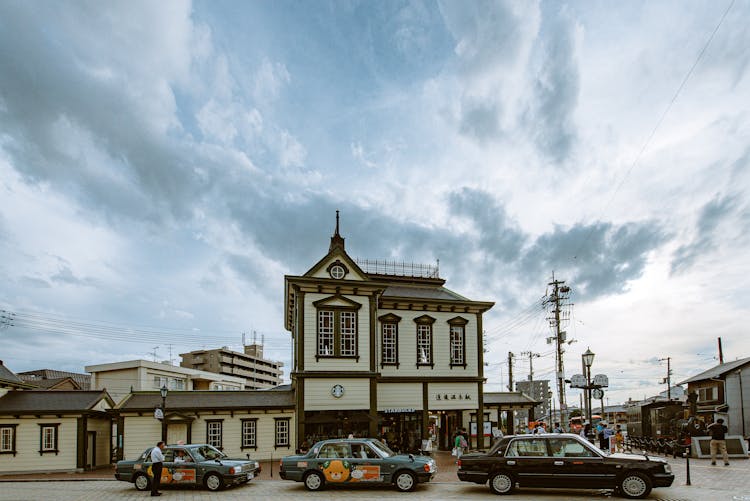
164 164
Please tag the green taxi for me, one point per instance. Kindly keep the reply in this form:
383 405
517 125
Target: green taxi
357 462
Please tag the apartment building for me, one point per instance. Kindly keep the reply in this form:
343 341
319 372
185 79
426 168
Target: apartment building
259 373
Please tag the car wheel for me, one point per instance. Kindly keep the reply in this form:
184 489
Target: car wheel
501 483
142 483
314 481
635 485
213 482
405 481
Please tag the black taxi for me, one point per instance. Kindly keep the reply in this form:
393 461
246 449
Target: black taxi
562 460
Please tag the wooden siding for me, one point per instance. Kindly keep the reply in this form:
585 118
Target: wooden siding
399 396
407 345
142 432
318 394
311 338
28 458
103 430
457 390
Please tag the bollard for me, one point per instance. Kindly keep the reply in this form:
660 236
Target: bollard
686 454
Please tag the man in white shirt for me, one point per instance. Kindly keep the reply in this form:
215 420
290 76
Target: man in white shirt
157 464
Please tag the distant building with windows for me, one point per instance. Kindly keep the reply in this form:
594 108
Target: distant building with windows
121 378
50 379
259 373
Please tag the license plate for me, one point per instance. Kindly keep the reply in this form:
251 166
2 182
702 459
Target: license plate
250 476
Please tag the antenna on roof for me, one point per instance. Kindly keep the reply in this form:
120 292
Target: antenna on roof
153 353
337 222
243 339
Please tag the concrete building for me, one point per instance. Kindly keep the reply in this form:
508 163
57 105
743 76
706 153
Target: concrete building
121 378
383 349
259 373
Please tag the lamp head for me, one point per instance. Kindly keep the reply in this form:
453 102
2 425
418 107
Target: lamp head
588 357
163 391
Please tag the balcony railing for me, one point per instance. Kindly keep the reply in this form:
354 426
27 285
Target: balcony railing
400 269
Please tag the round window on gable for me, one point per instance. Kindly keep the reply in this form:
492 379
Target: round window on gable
337 271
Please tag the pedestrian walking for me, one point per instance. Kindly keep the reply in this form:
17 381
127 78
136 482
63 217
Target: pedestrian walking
619 439
557 428
157 464
607 432
718 432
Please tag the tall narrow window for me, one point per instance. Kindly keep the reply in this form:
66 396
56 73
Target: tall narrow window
8 439
214 433
325 333
48 438
249 434
424 340
282 432
389 339
348 333
457 347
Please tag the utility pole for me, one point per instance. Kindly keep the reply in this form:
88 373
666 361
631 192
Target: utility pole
510 371
532 356
721 353
668 379
559 312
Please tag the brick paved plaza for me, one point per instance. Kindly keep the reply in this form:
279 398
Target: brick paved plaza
708 483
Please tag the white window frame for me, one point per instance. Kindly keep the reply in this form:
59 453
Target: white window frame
281 432
214 433
249 434
424 344
326 334
348 333
6 439
458 335
389 339
49 438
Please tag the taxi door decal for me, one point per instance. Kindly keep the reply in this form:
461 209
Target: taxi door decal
183 475
336 470
366 473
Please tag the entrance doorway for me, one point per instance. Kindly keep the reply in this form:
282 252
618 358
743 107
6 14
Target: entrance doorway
90 450
402 430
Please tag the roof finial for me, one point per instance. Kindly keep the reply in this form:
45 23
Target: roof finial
336 240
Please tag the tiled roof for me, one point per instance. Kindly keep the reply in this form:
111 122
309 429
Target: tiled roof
7 375
718 370
191 400
46 384
422 292
83 380
39 401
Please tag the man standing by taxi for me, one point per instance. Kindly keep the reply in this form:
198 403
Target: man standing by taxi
157 464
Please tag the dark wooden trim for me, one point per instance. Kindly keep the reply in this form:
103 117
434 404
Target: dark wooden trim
480 416
373 407
457 322
425 410
429 379
82 444
373 331
299 410
242 434
480 346
42 426
337 310
221 435
337 263
338 374
389 319
13 436
300 348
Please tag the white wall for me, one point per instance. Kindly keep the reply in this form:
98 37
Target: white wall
318 394
28 458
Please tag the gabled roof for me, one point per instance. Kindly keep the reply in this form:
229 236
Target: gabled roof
718 371
52 402
51 384
9 378
82 380
197 400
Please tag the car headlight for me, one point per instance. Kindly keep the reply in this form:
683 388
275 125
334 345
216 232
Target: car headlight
235 470
667 468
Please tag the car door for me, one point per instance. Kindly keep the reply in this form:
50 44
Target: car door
528 459
180 465
334 462
366 464
578 465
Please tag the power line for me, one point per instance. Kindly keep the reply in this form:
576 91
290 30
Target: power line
658 124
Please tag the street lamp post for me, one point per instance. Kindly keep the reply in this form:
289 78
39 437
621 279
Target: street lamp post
588 359
163 392
549 396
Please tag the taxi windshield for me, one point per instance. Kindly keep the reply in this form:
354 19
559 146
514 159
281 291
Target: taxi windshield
384 450
206 453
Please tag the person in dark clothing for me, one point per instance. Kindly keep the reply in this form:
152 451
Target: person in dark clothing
718 432
157 464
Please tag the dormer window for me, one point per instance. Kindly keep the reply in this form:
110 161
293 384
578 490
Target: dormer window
424 341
